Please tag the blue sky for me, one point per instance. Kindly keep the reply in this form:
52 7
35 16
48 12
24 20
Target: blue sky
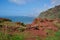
25 7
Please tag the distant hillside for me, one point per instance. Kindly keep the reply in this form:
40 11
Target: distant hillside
51 13
23 19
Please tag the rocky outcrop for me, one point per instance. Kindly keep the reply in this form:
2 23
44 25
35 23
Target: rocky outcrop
44 24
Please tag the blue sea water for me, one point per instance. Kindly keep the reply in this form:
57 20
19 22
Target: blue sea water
24 19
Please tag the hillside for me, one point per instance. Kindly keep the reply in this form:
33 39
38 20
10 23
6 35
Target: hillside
39 29
51 13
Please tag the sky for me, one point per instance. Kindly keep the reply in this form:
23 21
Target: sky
31 8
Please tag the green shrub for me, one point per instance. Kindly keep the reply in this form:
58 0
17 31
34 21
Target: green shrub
23 24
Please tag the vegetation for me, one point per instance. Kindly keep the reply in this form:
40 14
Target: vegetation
4 36
55 37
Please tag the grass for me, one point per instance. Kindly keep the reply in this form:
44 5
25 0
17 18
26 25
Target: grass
9 37
3 36
38 38
17 37
6 36
57 34
55 37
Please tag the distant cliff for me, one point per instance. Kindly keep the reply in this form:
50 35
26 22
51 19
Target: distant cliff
51 13
4 19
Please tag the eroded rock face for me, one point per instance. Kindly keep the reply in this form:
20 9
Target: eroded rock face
40 26
44 23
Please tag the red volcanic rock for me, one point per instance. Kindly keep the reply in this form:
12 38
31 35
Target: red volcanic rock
38 33
50 20
28 25
37 20
45 19
44 23
38 27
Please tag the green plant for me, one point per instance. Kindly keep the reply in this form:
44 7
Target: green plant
55 37
17 37
38 38
3 36
23 24
13 37
57 33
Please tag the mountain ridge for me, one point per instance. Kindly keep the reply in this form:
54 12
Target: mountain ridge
51 13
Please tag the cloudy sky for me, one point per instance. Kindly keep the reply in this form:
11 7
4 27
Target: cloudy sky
25 7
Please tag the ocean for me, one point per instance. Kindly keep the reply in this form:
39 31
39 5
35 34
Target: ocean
23 19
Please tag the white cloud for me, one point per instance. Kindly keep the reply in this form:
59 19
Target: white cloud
46 7
20 1
35 12
55 2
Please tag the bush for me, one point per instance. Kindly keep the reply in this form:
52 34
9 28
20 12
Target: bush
23 24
